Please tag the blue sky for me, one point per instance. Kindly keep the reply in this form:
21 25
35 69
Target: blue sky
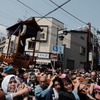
85 10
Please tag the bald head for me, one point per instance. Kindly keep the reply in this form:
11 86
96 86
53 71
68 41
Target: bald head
42 78
43 82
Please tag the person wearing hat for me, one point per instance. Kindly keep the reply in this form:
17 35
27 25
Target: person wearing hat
32 83
14 91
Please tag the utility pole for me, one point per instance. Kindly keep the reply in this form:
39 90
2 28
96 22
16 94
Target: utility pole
54 62
88 46
1 36
92 54
60 35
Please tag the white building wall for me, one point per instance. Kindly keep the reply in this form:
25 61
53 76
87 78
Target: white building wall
67 40
53 25
45 47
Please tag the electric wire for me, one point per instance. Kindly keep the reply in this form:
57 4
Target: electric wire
3 25
29 7
71 41
19 6
12 17
56 5
39 13
52 6
71 14
54 9
63 14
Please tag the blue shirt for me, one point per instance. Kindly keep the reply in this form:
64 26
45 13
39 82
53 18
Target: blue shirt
40 93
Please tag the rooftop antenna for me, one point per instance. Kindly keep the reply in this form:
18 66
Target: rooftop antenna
19 20
25 15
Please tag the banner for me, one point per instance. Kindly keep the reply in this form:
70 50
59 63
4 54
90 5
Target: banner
90 56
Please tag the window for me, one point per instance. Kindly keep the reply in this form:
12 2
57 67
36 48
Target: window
30 45
82 50
81 62
82 37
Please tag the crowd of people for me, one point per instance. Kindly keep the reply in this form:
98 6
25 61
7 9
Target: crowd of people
42 83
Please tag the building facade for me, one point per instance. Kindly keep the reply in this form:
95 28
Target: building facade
77 45
46 40
75 49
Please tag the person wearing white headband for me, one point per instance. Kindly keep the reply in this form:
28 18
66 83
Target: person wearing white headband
10 87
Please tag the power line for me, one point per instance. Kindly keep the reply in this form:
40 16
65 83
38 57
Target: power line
77 36
7 17
68 41
47 13
20 6
60 12
37 12
3 25
72 42
56 5
29 7
54 9
47 3
34 11
71 14
16 3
